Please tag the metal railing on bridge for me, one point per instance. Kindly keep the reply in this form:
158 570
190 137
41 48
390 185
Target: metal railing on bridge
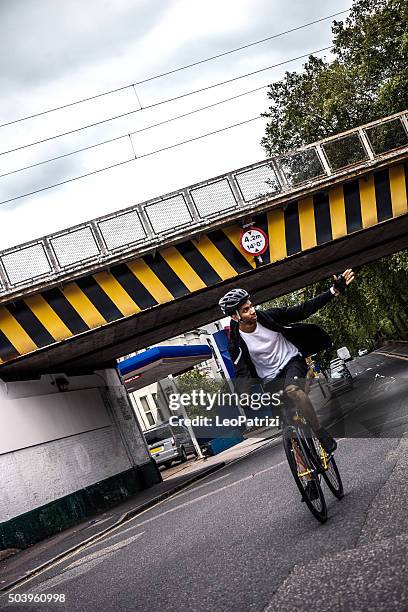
121 235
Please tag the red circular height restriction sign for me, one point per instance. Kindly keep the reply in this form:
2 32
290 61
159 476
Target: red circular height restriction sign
254 241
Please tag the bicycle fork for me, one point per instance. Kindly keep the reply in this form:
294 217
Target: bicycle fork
303 470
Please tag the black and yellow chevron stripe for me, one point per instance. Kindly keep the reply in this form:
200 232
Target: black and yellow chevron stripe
128 288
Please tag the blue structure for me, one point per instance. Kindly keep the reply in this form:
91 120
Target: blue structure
221 339
156 363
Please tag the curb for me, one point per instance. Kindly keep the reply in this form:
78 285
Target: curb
122 519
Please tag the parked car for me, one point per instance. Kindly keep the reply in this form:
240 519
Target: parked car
340 378
344 353
362 351
168 443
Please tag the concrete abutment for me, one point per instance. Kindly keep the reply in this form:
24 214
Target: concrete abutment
70 447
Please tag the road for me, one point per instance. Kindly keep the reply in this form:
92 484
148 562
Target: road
241 539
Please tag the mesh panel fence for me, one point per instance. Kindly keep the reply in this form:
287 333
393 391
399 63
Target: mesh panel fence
31 262
387 136
122 230
168 214
213 198
301 167
74 247
27 263
257 183
345 151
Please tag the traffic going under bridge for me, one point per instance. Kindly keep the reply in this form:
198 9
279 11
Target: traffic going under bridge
76 300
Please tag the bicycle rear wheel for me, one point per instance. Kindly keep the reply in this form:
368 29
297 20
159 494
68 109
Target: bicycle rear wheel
328 468
317 507
333 479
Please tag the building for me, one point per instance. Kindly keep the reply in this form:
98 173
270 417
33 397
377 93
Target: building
150 403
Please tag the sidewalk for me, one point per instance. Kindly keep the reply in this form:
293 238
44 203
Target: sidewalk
399 348
26 562
230 454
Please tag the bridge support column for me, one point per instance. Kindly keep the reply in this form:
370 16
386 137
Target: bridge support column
70 448
122 414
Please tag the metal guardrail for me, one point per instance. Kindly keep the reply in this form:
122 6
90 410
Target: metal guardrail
97 243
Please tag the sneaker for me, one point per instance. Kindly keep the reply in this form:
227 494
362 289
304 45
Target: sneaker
311 491
327 441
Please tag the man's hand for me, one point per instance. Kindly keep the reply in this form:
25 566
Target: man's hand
341 282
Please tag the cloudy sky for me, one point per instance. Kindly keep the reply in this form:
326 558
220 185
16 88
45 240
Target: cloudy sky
53 52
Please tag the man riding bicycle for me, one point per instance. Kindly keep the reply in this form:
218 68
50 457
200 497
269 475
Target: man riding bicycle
271 345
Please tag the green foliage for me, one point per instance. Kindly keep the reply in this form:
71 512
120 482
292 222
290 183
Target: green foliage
194 380
373 309
368 79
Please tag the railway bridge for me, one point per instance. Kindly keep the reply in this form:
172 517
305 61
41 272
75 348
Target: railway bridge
76 300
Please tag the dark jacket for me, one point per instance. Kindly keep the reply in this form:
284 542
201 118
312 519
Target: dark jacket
307 337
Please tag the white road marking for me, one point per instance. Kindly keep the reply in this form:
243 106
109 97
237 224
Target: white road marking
81 566
109 536
119 531
196 499
113 535
102 536
393 356
192 490
104 551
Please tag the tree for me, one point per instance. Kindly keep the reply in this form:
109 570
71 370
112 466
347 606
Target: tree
194 380
368 79
373 309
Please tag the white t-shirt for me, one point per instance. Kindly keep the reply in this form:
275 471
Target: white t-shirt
269 350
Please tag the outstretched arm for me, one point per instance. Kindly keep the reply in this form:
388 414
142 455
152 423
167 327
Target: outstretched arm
302 311
292 314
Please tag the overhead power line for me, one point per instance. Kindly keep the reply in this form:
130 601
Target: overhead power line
161 102
127 161
143 129
174 70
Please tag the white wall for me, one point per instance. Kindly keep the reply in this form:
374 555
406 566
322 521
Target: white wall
29 421
35 476
54 443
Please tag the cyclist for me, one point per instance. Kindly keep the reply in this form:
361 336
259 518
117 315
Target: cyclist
272 345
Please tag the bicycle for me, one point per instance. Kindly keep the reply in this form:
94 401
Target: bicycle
309 463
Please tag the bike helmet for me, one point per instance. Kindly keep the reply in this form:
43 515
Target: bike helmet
232 300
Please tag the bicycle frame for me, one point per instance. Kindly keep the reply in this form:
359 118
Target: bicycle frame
297 422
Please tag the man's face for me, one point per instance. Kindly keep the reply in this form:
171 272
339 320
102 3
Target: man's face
247 312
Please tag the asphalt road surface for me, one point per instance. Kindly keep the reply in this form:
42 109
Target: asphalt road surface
241 539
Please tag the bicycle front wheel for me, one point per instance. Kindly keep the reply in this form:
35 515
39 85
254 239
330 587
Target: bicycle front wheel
304 473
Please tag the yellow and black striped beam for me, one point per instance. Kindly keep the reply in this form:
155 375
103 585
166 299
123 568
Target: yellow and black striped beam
129 288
